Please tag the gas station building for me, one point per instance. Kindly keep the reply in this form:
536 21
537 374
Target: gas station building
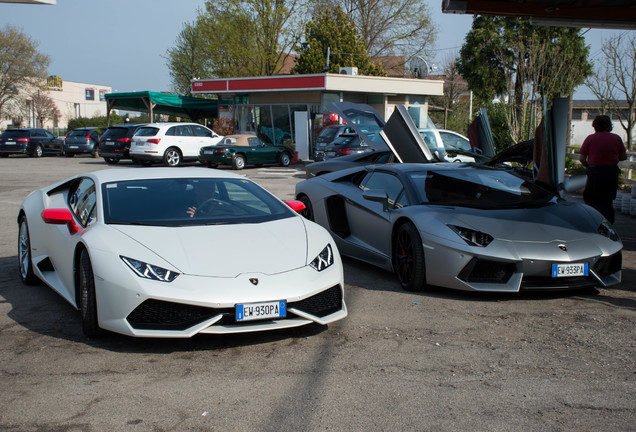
290 109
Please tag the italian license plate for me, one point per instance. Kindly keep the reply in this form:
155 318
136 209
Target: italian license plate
9 142
330 153
257 311
567 270
73 147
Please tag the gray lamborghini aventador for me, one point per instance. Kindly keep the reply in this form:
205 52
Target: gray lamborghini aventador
462 226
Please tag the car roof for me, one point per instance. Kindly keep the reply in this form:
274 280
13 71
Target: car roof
119 174
128 125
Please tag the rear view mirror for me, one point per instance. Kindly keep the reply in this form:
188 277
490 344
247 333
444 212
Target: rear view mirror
377 195
574 183
60 216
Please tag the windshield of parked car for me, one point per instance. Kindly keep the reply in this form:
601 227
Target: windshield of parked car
15 134
115 132
78 133
147 131
189 201
478 187
366 124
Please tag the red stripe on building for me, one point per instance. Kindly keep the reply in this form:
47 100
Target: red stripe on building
210 86
278 83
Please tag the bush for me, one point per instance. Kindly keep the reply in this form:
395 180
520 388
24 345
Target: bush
223 126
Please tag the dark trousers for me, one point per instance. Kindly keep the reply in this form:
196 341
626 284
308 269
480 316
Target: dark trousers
600 189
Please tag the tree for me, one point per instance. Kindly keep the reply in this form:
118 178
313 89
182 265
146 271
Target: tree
234 38
332 31
391 27
187 59
21 65
510 59
44 108
455 101
615 80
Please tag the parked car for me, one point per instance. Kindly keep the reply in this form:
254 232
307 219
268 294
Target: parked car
326 136
479 226
171 143
463 226
32 141
345 144
122 247
240 150
316 169
114 144
456 147
82 140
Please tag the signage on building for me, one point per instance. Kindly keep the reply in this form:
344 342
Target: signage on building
90 94
54 82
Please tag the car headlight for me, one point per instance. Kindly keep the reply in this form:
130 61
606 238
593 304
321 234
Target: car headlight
472 237
148 271
607 230
323 260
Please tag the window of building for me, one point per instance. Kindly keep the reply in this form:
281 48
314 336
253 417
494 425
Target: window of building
90 94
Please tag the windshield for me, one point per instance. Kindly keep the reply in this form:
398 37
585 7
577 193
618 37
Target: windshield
478 187
14 134
115 132
147 131
189 201
78 133
366 123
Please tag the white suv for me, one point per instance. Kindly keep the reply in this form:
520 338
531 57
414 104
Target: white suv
170 143
451 145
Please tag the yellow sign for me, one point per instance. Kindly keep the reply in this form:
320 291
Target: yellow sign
54 82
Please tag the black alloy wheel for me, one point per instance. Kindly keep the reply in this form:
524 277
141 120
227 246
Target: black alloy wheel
408 258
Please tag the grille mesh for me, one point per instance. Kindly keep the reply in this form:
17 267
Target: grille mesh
322 304
161 315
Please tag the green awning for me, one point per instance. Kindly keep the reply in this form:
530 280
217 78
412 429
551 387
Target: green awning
163 103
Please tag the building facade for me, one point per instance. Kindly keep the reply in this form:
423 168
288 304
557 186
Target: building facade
72 99
292 109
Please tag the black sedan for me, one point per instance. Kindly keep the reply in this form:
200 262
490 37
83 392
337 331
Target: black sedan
32 141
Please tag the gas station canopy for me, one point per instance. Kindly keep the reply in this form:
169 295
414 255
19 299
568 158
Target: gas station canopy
163 103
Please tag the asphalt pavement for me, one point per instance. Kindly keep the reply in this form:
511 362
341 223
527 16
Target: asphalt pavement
439 360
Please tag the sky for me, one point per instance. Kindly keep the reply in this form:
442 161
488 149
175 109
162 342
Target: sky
123 43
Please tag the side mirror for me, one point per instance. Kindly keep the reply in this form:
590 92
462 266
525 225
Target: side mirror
60 216
574 183
377 195
296 205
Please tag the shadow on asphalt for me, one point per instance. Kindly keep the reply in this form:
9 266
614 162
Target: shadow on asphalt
41 310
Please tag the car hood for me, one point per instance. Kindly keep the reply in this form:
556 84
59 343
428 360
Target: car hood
226 250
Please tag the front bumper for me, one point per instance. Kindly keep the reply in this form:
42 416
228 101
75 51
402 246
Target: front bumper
520 267
189 305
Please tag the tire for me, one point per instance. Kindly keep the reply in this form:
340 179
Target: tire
284 159
111 161
308 212
4 155
38 151
408 258
172 157
88 302
25 262
238 162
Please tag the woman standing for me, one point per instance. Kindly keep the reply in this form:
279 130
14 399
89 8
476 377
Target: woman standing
600 153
